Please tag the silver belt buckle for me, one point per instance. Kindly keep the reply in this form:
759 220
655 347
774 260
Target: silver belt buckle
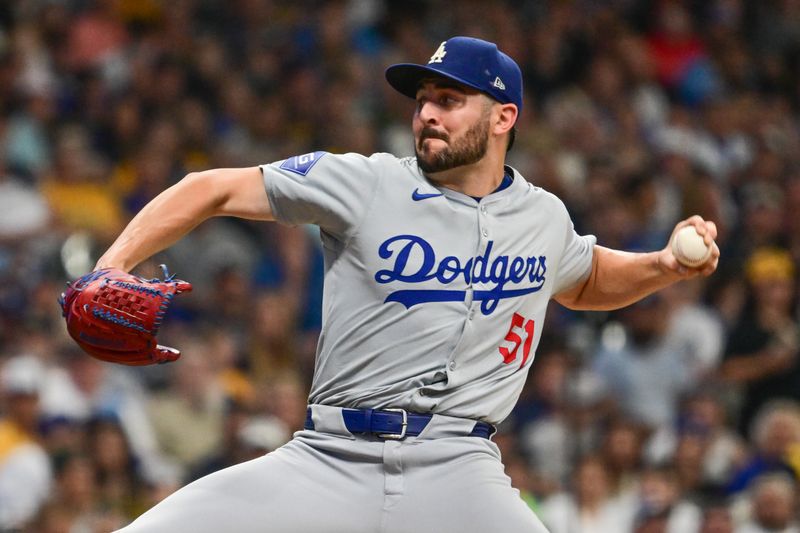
403 426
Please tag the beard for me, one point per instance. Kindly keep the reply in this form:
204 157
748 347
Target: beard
464 151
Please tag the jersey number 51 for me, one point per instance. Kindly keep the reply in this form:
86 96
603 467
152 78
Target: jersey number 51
519 325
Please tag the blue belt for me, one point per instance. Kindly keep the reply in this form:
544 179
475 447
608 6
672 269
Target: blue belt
393 424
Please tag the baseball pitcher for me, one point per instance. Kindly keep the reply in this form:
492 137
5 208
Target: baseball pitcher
438 272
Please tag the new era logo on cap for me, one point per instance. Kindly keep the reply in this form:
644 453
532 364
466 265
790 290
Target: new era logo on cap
473 62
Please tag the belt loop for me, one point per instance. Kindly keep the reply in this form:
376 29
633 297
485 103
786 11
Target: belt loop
368 420
309 420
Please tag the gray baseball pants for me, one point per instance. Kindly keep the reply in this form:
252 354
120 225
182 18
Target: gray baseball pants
327 480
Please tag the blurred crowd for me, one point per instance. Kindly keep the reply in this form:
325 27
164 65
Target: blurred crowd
680 414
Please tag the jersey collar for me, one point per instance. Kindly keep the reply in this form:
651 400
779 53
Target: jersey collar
513 183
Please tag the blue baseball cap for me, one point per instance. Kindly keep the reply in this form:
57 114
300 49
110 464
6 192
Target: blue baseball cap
472 62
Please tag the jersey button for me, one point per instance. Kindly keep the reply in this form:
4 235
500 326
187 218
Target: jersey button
485 232
452 365
483 209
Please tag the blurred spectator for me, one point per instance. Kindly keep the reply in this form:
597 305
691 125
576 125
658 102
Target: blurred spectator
86 388
688 463
25 221
661 504
152 172
76 192
119 482
622 454
22 456
775 433
285 397
645 370
734 147
543 424
723 450
791 220
694 327
25 141
273 342
24 214
188 417
674 45
588 507
96 35
245 437
227 365
762 219
260 435
77 503
716 518
762 350
218 257
774 506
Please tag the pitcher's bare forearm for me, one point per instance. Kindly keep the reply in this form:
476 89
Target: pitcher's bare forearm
618 279
179 209
621 278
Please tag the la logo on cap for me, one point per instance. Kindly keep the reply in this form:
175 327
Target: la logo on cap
439 54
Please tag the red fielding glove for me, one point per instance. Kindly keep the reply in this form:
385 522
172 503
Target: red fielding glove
114 316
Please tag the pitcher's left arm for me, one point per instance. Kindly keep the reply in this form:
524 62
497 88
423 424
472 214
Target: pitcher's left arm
620 278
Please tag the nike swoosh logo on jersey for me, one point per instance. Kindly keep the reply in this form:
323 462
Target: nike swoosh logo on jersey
417 196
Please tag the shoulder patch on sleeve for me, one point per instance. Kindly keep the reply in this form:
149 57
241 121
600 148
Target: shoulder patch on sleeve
301 164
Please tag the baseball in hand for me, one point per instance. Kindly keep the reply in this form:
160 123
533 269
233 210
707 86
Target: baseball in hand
689 248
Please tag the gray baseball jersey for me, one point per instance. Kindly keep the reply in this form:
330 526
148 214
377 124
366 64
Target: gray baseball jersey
433 301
